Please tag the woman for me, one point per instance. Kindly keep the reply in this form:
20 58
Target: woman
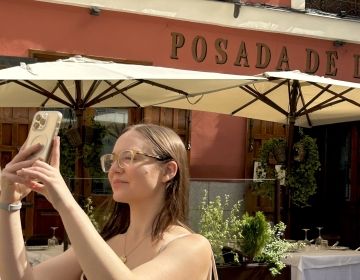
144 238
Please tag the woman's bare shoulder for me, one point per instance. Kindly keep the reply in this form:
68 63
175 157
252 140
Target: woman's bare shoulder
190 241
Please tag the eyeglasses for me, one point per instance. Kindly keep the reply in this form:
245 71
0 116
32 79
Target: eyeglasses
124 159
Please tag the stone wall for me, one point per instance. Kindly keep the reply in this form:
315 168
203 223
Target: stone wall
235 188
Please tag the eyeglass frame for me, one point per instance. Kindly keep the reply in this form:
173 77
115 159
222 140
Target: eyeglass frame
133 153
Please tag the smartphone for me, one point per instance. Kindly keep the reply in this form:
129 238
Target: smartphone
44 127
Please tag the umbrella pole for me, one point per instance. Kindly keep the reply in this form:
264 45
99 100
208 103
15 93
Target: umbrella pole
79 168
293 102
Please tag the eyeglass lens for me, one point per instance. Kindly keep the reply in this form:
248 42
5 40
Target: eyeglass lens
124 159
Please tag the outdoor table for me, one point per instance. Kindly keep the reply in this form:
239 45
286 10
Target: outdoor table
38 254
329 264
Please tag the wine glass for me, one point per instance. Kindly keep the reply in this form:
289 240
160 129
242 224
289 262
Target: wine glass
319 238
53 241
306 240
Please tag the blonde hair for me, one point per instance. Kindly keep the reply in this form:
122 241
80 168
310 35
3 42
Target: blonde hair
168 146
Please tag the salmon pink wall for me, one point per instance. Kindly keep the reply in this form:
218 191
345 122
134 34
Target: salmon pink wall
217 141
217 146
53 27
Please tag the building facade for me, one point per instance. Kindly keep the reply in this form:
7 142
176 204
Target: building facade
218 36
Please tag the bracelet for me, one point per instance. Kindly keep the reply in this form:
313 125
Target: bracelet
12 207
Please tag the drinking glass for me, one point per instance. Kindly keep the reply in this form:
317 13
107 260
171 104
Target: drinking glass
306 240
319 238
53 241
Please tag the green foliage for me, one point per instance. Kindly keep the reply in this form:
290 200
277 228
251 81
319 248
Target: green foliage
276 249
89 210
217 228
92 149
257 240
301 178
273 152
254 232
67 156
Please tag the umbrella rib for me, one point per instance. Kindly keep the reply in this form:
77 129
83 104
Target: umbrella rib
305 105
36 88
339 95
328 103
261 97
90 92
165 87
103 97
66 92
52 92
100 95
312 100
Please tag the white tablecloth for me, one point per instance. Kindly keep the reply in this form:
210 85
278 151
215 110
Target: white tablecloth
42 253
324 265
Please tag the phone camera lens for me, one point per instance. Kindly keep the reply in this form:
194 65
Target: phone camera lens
36 125
38 117
42 121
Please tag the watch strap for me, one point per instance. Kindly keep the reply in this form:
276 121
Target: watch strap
10 207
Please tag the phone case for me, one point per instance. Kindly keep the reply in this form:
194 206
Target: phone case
45 126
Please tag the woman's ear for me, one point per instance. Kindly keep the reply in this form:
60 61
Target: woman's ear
170 170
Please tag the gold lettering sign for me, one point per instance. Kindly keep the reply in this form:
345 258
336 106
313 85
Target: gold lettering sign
242 55
199 50
331 69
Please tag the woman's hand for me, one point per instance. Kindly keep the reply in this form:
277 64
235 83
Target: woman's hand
47 179
13 186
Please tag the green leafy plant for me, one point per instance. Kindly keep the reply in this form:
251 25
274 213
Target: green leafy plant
272 152
93 147
67 156
217 228
254 233
276 249
89 210
300 177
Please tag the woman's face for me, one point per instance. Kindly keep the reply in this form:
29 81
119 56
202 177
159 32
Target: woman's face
140 180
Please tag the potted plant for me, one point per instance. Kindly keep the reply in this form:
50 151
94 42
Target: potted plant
300 175
221 231
300 178
247 236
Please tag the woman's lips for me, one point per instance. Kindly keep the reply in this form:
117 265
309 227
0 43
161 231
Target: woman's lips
119 182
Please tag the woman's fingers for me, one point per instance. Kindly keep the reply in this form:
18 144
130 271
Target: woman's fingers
25 153
55 153
37 187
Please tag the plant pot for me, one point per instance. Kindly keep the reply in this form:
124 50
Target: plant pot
73 136
271 159
229 254
280 154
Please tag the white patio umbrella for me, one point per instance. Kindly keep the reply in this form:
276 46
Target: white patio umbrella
80 82
284 97
288 97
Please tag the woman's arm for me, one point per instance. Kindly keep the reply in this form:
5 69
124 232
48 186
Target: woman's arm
13 263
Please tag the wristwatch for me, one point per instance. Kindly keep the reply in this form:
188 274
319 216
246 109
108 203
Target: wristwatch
12 207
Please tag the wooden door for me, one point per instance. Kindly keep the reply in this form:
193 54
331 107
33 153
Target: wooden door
257 133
